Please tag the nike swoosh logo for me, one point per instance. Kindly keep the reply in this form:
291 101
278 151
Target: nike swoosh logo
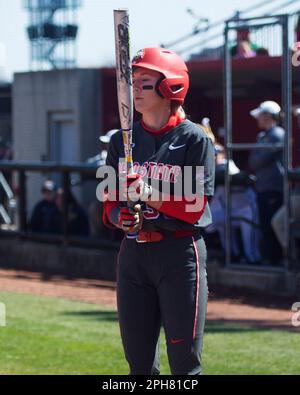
172 147
132 145
175 341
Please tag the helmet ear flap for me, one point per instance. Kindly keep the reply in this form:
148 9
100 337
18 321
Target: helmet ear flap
157 85
171 88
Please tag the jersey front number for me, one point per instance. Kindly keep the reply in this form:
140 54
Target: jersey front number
150 213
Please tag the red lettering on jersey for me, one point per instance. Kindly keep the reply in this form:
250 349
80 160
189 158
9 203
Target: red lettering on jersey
167 172
143 169
136 167
158 172
176 170
152 166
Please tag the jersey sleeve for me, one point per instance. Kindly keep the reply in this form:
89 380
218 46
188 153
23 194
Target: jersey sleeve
200 157
111 201
202 154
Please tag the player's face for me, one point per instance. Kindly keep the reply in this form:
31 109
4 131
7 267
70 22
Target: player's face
145 96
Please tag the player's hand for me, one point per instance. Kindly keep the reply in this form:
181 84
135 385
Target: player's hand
136 188
131 219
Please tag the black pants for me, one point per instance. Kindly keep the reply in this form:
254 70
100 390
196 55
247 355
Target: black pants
162 283
268 203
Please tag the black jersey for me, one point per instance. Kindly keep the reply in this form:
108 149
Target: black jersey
163 157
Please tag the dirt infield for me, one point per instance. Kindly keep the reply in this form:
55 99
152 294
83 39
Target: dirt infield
224 306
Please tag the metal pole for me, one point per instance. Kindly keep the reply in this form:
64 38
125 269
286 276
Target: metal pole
22 202
286 100
228 138
216 24
66 187
255 146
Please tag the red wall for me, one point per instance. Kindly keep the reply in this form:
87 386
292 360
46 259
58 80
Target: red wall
198 105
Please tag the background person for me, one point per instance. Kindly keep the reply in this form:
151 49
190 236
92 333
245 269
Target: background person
78 224
278 219
45 212
267 165
244 48
95 209
245 237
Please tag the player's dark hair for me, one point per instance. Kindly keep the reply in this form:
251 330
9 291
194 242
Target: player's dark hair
176 108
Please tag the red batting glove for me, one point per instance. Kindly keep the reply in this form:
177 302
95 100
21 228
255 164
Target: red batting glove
130 219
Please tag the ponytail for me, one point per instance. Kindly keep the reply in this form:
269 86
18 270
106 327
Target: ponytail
177 108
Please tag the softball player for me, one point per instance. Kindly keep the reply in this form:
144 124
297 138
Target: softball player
161 273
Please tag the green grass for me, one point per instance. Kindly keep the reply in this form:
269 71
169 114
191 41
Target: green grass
56 336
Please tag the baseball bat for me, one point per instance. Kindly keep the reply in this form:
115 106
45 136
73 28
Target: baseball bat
124 82
124 88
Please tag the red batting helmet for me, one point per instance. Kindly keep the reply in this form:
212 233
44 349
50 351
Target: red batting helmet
174 83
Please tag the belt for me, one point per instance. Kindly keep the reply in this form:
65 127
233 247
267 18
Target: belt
150 237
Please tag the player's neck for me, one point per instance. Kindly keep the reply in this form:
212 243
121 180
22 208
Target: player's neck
156 120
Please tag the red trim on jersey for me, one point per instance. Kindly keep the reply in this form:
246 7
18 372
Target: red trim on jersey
197 289
178 209
173 121
108 205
